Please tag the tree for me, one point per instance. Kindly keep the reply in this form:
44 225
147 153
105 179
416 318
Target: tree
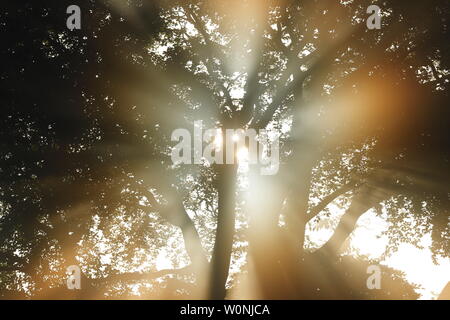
86 174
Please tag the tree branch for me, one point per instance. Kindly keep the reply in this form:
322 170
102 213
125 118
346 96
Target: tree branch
321 61
138 276
329 198
195 20
175 213
365 199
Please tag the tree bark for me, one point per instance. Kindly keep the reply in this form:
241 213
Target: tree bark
220 261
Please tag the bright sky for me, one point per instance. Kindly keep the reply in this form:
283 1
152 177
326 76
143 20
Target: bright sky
415 263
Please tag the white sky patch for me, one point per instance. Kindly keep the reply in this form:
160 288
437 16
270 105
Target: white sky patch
237 88
419 268
163 261
106 258
237 93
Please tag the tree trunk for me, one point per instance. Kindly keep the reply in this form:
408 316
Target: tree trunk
272 250
220 262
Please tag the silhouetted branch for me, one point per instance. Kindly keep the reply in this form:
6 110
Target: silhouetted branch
175 213
365 199
195 20
140 276
322 60
329 198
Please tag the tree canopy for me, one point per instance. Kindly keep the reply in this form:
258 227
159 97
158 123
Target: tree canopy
86 176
